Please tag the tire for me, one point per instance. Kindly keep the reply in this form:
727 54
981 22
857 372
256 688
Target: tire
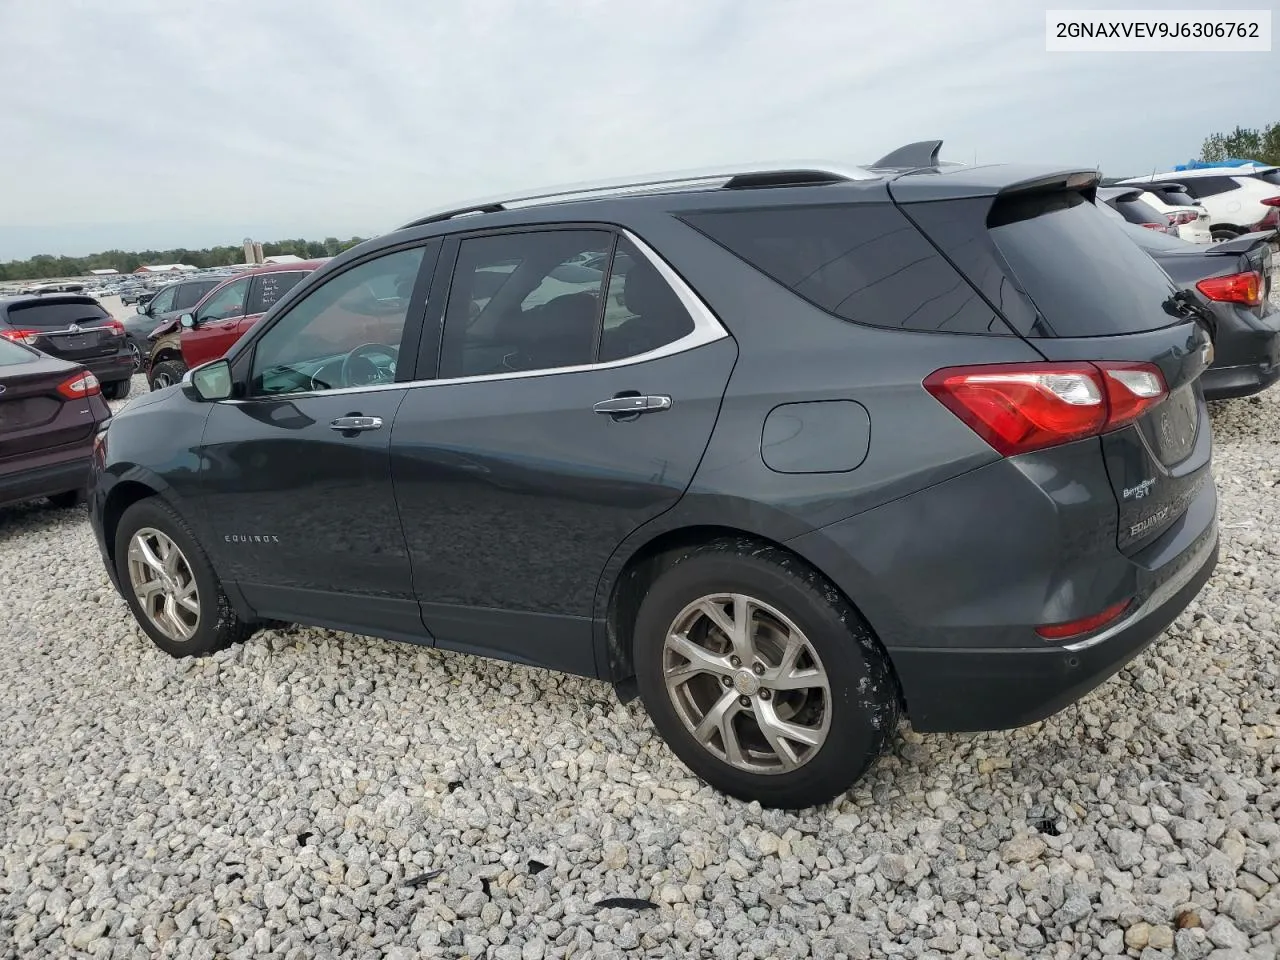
166 373
116 389
852 718
213 625
1220 234
67 499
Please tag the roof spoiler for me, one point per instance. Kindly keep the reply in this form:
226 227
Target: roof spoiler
923 153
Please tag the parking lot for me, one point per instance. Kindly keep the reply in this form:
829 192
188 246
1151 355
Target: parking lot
312 794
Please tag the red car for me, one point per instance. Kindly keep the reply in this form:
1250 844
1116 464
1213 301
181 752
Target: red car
50 411
224 315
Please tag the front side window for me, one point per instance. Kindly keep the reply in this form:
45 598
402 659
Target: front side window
225 303
344 333
524 301
162 302
269 287
189 294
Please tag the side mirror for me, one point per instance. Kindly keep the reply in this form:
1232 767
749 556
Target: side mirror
187 320
212 381
140 308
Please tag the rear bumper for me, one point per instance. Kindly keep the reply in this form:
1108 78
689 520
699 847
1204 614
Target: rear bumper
1259 366
969 690
47 479
118 366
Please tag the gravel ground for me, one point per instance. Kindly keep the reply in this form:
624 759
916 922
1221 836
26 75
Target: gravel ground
315 794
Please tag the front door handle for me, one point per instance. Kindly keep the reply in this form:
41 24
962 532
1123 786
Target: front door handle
632 405
343 424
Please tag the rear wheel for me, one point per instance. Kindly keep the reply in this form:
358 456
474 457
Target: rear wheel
166 373
760 677
67 500
169 584
1221 234
116 389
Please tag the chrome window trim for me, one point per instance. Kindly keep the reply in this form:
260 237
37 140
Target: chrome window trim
706 329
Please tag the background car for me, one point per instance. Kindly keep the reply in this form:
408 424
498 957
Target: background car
1183 211
1127 204
50 410
1238 200
1233 279
170 302
221 317
72 327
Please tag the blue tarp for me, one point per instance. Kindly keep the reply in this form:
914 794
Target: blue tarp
1229 162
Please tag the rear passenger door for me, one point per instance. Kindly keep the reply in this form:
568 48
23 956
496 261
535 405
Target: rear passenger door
573 404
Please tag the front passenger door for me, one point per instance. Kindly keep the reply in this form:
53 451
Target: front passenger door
216 320
295 472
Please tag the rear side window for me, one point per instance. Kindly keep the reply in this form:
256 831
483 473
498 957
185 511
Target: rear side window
270 287
1085 276
1271 176
1210 186
862 262
56 314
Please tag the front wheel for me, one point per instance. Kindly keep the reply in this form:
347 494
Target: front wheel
169 584
166 373
761 678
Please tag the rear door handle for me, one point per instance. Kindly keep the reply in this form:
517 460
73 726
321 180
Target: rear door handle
343 424
632 405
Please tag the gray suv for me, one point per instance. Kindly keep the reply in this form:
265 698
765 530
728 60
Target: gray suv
790 451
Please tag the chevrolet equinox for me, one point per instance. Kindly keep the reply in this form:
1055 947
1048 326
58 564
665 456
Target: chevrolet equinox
790 451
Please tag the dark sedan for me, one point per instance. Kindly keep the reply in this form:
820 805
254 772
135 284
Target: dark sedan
50 411
1234 279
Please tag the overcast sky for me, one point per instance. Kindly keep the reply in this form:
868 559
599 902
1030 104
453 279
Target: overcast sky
154 123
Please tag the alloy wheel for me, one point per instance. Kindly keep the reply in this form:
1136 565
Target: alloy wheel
747 683
164 584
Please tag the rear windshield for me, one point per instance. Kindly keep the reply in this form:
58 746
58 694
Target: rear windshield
1154 240
1083 274
56 314
1139 211
1176 198
11 353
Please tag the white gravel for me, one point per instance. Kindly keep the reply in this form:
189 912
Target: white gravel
315 794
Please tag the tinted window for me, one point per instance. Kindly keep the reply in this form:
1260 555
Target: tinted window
1175 198
1209 186
311 345
227 302
642 312
189 294
1272 177
1083 274
1139 211
56 314
862 262
270 287
524 301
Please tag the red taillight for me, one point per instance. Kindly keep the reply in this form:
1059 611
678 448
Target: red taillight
1076 628
1155 226
1178 219
28 337
81 385
1243 288
1272 202
1020 407
115 328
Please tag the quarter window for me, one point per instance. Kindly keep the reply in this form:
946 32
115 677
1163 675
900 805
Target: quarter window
642 312
345 333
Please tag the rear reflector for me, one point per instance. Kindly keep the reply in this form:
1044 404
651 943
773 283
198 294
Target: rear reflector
81 385
1076 628
21 336
1020 407
1243 288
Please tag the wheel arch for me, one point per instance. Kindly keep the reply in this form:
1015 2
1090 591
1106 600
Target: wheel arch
644 563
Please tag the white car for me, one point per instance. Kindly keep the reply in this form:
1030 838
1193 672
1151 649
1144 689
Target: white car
1238 200
1189 217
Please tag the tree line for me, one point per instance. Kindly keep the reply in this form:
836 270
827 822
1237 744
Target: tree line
44 266
1244 143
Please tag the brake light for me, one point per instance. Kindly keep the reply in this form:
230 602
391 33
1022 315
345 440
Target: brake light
81 385
115 328
1155 226
1243 288
1020 407
1075 628
1177 219
28 337
1271 202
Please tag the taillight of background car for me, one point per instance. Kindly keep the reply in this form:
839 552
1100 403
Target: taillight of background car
1184 216
28 337
81 385
1245 288
1020 407
115 328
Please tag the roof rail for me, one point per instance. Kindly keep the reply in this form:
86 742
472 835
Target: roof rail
746 176
922 153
